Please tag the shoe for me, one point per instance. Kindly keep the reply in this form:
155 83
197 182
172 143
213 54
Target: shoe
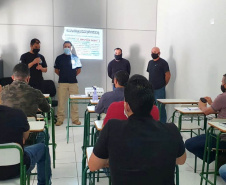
76 122
59 123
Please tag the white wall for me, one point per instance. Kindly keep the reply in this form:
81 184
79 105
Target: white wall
194 48
129 24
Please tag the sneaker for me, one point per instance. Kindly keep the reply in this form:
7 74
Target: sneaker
76 122
59 123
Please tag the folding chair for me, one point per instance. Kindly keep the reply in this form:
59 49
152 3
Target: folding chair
11 154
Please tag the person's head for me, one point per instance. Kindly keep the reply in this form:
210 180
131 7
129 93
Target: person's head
223 83
35 46
67 47
21 72
118 53
139 96
121 78
155 53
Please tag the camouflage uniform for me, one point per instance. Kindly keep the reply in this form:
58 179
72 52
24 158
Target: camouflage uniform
22 96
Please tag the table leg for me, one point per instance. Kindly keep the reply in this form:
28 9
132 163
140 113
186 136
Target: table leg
68 118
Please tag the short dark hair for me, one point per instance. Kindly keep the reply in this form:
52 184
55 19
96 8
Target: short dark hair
33 41
139 95
67 42
21 71
224 78
118 49
122 77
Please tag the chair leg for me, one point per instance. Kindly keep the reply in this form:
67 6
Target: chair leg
177 175
195 164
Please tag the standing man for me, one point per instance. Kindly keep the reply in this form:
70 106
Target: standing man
118 64
67 67
159 76
37 64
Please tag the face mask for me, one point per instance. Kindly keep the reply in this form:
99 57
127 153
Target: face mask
222 88
118 57
154 56
35 51
67 51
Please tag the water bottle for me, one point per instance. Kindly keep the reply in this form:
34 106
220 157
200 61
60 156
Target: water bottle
95 97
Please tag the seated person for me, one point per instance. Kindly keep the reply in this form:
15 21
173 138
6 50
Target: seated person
222 172
140 150
116 111
22 96
196 145
14 128
120 80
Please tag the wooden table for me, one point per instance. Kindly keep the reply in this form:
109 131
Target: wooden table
76 99
189 111
161 102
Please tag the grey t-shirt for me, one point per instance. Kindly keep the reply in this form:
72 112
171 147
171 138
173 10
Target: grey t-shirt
219 105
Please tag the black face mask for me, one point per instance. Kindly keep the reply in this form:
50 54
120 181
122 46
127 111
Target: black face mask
35 51
222 88
118 57
154 56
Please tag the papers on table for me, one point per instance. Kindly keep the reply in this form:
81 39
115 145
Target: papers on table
78 96
91 108
191 108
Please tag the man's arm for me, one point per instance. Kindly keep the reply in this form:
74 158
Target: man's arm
181 160
109 70
57 71
25 136
78 71
35 61
43 104
167 77
99 108
128 68
206 110
43 69
96 163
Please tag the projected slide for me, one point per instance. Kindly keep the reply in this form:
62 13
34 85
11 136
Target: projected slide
88 43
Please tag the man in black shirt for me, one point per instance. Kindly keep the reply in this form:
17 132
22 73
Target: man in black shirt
159 76
14 128
37 64
118 64
140 150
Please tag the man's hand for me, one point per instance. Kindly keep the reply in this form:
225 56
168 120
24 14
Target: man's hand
37 60
209 100
39 67
0 88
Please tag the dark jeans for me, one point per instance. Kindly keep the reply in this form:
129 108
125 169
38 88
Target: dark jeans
37 155
196 145
161 94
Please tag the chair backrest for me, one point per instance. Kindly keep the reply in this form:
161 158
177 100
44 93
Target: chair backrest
48 87
11 154
6 81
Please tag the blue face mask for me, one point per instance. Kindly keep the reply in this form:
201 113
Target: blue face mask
67 51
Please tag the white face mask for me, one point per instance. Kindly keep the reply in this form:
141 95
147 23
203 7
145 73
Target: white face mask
125 113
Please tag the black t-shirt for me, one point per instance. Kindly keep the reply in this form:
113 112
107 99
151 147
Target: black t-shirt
13 123
157 70
115 66
140 150
64 64
36 75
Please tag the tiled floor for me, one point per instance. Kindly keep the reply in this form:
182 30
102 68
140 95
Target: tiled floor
69 158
